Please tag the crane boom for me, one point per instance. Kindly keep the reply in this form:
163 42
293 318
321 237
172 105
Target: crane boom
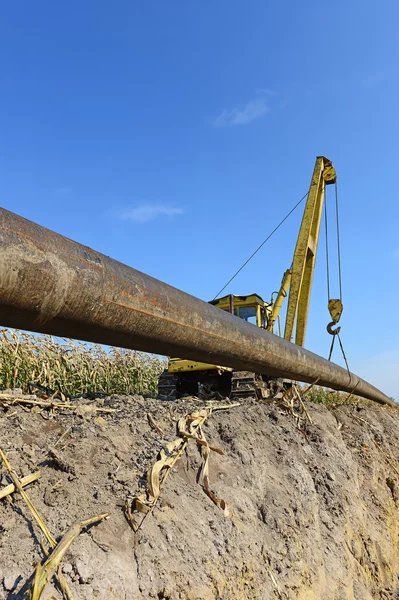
305 252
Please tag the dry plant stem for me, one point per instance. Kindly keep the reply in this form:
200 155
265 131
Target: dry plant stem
305 391
66 592
274 581
18 487
60 439
9 489
27 500
9 399
47 570
162 468
364 421
188 427
206 452
224 406
303 406
153 424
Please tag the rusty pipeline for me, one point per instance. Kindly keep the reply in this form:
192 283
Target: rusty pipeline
51 284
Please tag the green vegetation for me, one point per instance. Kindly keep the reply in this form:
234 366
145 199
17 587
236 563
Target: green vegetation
331 399
74 367
324 396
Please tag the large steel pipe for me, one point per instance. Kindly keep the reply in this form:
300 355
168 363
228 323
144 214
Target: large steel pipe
50 284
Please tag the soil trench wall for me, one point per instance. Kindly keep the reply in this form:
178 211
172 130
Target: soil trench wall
314 513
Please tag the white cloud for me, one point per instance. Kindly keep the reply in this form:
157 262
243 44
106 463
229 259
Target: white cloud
148 212
244 114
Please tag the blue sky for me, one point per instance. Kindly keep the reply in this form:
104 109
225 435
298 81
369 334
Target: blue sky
174 135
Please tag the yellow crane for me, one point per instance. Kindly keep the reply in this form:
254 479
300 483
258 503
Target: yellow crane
188 377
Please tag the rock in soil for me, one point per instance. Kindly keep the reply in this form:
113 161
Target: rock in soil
10 581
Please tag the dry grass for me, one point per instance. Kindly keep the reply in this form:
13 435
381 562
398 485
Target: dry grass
74 367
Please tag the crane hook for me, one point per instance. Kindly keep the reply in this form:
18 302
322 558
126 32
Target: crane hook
332 331
335 309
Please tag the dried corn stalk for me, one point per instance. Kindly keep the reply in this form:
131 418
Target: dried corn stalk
206 452
80 410
188 427
9 489
47 570
18 486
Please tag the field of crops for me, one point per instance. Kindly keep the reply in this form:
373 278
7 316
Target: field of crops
74 367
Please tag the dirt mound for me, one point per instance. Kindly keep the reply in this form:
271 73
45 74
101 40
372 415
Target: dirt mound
312 514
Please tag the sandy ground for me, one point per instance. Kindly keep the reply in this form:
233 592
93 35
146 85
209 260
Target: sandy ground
312 515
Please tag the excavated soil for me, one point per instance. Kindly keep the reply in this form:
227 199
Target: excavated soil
313 513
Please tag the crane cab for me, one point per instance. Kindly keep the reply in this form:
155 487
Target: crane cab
252 308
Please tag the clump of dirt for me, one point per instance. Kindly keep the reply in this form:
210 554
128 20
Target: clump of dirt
312 514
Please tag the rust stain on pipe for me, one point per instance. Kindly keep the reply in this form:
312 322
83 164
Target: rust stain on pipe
50 284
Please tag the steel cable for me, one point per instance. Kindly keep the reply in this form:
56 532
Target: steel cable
261 245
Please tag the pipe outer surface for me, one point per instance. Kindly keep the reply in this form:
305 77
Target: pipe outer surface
51 284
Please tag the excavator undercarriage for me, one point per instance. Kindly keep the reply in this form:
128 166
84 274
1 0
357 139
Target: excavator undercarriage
236 385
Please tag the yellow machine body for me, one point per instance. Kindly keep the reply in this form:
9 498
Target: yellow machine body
296 283
305 252
252 309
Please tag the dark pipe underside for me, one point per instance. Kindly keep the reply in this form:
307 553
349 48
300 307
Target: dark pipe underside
50 284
